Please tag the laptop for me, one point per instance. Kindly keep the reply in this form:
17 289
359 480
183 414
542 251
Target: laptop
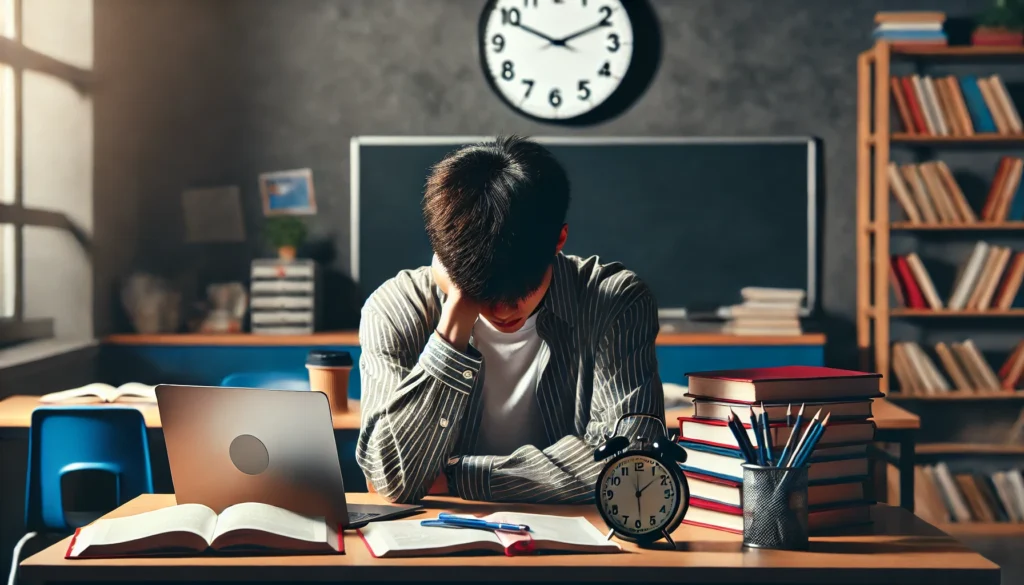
227 446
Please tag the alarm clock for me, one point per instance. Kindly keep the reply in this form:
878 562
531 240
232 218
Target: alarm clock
568 61
642 494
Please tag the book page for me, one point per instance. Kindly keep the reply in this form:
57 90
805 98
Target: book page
97 389
134 389
270 519
409 537
575 531
191 518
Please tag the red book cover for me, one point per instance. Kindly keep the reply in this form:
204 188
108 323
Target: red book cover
782 373
1011 282
992 200
900 101
914 104
1004 371
914 296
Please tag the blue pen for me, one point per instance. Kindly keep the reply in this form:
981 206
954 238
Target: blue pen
757 437
447 520
769 445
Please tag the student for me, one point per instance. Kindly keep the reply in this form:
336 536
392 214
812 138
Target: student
500 368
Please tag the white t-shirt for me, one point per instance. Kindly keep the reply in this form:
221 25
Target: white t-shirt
510 416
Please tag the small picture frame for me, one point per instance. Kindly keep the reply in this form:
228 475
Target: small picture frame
288 192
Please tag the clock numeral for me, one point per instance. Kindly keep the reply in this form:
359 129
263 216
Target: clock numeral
653 521
614 40
616 480
615 510
668 494
639 466
529 87
625 519
638 524
605 70
654 470
555 99
499 43
664 480
662 510
584 95
510 16
609 494
506 71
623 470
607 12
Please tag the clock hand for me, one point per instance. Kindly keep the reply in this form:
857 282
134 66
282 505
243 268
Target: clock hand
646 486
580 33
551 41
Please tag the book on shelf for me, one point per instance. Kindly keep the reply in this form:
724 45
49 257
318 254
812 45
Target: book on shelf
408 538
952 106
964 364
905 278
924 280
129 392
944 496
720 516
990 279
189 529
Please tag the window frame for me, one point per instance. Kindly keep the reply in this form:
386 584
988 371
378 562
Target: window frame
14 54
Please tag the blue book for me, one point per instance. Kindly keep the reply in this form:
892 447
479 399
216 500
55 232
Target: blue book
909 35
981 117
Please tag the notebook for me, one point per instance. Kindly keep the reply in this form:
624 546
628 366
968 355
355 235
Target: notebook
190 529
407 538
105 392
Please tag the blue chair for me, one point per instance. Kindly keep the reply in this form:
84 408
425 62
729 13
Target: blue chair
66 439
273 380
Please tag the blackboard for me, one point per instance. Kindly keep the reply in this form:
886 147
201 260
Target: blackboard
697 219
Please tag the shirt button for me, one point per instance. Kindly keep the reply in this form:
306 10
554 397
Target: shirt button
443 422
468 374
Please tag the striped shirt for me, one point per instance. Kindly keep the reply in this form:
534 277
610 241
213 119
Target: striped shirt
421 397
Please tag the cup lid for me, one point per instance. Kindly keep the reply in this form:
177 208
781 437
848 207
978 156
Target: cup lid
329 358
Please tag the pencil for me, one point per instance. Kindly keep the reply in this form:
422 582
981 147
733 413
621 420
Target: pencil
741 437
766 429
807 433
792 431
789 415
813 442
757 435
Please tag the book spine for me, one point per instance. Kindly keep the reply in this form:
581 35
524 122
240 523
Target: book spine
914 103
929 115
924 280
946 106
960 105
910 284
906 121
913 179
902 194
1006 102
933 103
981 117
956 192
1012 284
1002 126
992 199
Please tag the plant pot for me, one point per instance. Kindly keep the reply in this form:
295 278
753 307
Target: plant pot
286 253
997 37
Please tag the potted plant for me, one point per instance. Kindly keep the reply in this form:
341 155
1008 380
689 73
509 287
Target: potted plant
285 234
1002 24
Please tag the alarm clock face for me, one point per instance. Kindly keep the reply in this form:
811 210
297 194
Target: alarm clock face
640 497
556 59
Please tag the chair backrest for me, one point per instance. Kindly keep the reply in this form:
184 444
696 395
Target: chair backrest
268 380
64 439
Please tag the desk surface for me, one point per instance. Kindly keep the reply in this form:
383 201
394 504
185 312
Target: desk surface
16 413
897 548
352 338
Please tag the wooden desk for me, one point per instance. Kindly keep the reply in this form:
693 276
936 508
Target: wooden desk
898 548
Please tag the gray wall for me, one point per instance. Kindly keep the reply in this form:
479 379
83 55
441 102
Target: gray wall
201 92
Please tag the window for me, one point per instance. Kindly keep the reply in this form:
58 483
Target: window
45 169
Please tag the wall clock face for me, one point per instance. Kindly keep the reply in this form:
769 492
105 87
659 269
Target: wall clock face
560 60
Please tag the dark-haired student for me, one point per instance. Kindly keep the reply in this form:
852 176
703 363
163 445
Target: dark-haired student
500 368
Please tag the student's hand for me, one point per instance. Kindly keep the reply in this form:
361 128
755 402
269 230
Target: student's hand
458 314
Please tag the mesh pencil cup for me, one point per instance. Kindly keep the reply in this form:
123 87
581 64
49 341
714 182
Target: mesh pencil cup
775 507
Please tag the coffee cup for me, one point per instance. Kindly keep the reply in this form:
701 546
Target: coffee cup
328 373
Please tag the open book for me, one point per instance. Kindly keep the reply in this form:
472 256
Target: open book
194 528
408 538
105 392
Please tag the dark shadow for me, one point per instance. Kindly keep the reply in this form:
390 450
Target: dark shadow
339 297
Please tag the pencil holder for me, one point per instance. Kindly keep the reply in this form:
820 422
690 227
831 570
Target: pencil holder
775 507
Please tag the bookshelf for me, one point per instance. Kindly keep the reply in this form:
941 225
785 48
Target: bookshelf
876 140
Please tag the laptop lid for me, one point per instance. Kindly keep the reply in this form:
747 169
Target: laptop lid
227 446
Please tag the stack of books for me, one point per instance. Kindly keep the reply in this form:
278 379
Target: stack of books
991 278
941 496
913 29
839 464
961 362
765 311
954 106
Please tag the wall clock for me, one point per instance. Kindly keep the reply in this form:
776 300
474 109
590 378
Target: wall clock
569 61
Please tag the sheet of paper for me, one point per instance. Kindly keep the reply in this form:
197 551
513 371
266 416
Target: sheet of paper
572 530
194 518
409 535
266 518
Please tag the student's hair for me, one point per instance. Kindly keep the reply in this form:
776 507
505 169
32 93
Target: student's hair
494 212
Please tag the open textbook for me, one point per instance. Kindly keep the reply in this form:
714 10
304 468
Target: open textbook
194 528
408 538
105 392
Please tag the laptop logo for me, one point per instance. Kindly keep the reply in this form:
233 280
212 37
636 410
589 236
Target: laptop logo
249 455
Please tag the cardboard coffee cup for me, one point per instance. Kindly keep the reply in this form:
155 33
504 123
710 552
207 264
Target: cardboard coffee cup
328 373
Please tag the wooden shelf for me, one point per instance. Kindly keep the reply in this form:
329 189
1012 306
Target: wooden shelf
975 227
352 338
987 138
958 396
963 529
969 449
1017 312
961 51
